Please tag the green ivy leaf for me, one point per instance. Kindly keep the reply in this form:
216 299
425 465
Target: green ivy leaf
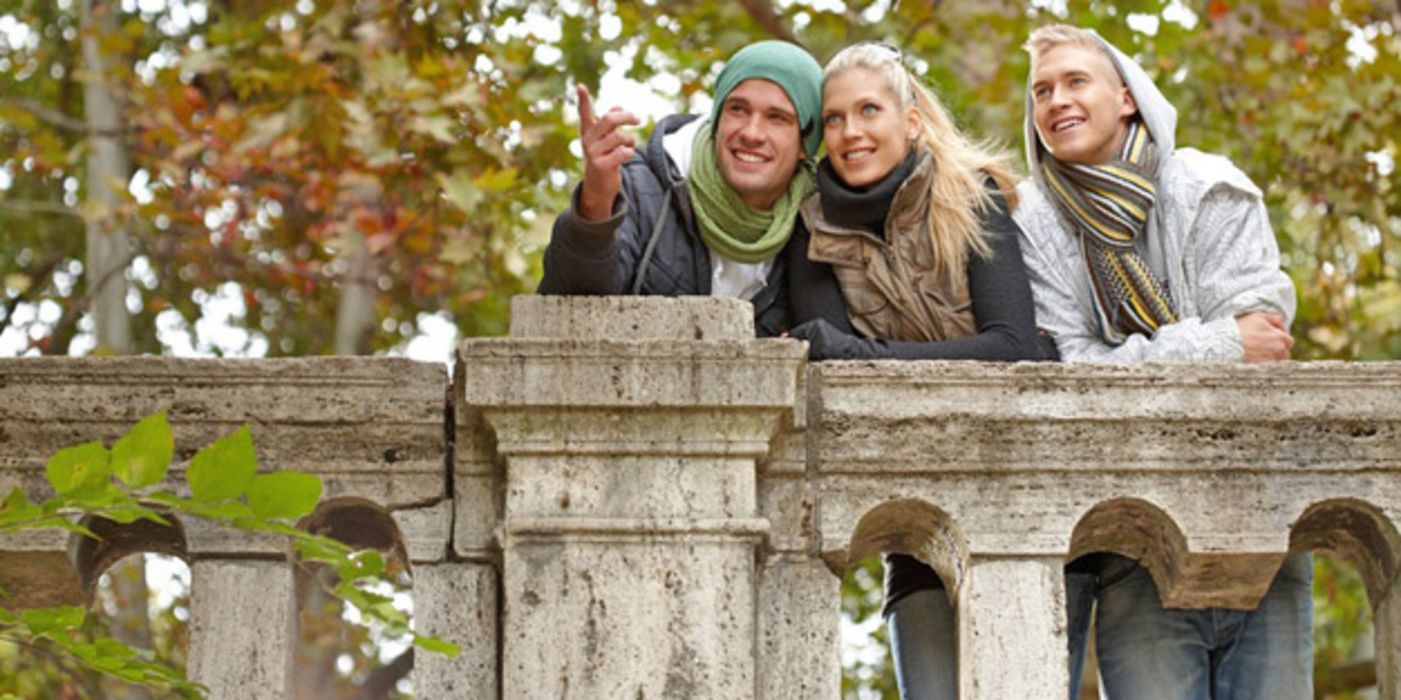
436 645
16 510
322 549
285 495
366 563
131 513
223 470
142 456
78 468
53 622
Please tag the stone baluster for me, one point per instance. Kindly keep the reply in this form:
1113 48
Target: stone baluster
242 628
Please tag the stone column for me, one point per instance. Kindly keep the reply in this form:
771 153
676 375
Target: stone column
242 628
629 430
799 619
1011 628
456 602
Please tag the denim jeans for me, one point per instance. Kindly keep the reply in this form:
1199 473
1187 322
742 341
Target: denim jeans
1147 652
923 643
1080 590
923 639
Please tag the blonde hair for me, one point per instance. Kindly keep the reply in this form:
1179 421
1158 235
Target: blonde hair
1053 36
957 194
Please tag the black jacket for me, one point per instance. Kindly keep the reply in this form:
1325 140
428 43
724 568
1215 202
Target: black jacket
653 209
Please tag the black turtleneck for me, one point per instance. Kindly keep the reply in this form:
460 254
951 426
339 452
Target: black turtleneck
863 208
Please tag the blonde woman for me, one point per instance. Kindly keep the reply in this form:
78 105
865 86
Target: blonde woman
912 255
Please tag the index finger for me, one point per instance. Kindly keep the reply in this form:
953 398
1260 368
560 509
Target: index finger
586 117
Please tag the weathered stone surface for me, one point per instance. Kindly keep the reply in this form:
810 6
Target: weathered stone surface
370 427
634 318
628 465
242 630
457 602
799 614
558 374
1011 626
39 580
600 617
1021 456
666 499
425 531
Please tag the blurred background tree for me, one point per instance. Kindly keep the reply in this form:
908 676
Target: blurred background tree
269 177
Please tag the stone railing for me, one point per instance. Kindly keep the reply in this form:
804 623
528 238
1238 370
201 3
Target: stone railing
640 500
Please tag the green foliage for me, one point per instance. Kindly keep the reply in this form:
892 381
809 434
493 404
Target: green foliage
1342 616
122 485
223 470
869 671
140 458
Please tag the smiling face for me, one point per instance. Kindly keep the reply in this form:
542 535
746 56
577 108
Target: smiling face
1081 107
757 144
866 130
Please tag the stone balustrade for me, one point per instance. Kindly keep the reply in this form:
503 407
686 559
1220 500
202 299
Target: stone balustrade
634 498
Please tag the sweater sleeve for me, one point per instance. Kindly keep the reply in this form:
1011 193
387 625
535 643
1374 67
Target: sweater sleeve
594 257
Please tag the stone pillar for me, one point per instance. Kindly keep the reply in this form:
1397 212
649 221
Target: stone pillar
1386 620
799 637
630 430
1012 630
242 628
456 602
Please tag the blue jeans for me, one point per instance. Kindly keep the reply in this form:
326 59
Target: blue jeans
923 639
1147 652
923 643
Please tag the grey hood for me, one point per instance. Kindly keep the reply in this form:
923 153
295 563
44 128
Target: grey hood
1158 114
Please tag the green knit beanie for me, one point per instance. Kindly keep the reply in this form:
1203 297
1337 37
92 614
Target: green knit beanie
787 66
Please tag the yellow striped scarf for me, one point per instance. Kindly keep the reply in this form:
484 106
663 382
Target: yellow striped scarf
1109 206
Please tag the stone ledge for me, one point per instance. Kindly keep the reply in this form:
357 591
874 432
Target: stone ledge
635 318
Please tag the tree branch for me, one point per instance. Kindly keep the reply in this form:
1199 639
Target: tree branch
762 12
58 119
26 206
51 116
43 276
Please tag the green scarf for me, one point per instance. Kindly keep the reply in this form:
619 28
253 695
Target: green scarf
728 225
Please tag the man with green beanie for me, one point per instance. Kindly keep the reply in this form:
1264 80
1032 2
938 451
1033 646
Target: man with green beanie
707 205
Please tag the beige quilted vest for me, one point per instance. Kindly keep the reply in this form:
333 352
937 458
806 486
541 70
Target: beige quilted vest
891 286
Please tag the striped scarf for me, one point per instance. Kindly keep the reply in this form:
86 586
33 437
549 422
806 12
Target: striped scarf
1109 206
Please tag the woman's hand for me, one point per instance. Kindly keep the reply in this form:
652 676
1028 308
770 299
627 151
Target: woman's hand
825 342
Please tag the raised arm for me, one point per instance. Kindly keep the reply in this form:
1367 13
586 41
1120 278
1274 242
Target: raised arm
583 255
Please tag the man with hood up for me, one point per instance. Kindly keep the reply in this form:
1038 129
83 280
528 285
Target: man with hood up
1139 252
707 205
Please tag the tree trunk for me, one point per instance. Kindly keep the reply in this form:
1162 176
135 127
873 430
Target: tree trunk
108 169
355 317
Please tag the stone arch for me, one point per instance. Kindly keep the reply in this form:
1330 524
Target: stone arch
92 556
1134 528
362 524
1356 531
358 522
914 527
